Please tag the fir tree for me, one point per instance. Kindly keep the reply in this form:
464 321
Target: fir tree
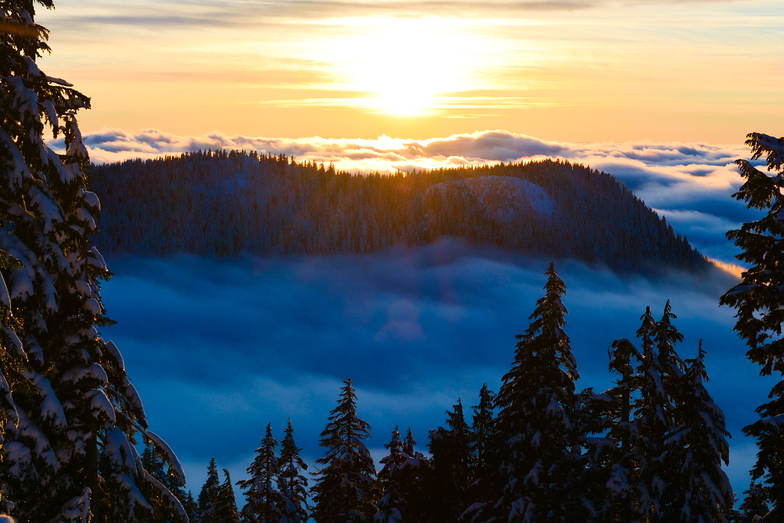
536 408
650 422
71 448
264 503
226 508
391 506
345 489
758 299
191 508
292 484
698 490
665 336
449 467
482 430
413 481
483 490
409 443
209 495
155 463
622 501
755 505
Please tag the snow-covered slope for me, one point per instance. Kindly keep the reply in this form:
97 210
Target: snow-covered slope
502 197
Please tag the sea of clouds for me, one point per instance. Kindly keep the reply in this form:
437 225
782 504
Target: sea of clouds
218 349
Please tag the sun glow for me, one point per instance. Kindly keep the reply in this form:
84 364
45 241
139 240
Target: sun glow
405 67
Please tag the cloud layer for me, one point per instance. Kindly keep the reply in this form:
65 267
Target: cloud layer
220 349
691 184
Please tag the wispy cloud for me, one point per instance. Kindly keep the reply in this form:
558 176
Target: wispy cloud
197 13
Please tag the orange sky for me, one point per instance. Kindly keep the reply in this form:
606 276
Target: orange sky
576 70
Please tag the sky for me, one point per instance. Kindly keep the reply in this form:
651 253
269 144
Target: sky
564 70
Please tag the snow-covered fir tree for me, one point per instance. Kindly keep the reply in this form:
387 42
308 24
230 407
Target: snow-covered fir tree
539 443
755 504
263 501
70 447
391 506
450 461
619 464
482 431
483 490
665 336
154 462
413 481
758 299
191 508
409 443
209 495
345 490
669 478
226 508
697 490
650 422
292 483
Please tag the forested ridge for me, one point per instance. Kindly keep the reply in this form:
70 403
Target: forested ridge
221 203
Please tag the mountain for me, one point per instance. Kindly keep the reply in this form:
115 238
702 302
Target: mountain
225 203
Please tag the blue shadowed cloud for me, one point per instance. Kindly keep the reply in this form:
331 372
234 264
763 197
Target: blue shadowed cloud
220 349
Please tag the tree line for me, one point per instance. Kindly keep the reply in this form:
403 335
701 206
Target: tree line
649 449
224 203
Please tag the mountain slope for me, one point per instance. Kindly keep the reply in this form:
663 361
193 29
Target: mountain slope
226 203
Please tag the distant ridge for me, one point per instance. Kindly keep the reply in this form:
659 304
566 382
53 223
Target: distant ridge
226 203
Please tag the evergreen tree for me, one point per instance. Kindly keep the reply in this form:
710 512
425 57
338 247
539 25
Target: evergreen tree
226 508
70 446
650 422
449 467
622 499
413 481
346 489
698 490
536 408
482 430
758 299
264 503
665 336
191 508
209 495
154 462
483 490
391 506
672 369
755 505
409 443
291 483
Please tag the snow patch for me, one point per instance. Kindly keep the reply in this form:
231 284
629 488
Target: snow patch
504 198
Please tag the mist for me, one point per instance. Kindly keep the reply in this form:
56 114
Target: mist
218 349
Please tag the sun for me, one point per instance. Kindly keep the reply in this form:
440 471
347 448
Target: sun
405 67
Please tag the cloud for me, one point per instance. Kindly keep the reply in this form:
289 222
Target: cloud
218 349
147 14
